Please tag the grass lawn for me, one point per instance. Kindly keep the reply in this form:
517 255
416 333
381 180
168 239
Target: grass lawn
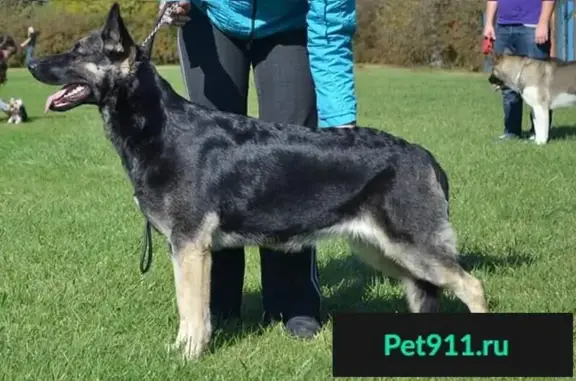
73 305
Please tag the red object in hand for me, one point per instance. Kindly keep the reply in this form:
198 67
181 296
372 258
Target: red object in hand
487 45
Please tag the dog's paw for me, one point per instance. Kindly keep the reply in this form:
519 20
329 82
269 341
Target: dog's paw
540 142
192 340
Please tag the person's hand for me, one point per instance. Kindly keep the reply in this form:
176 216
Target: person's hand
489 32
179 16
541 33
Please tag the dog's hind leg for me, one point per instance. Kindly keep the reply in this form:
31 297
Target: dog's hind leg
192 265
435 261
412 229
373 257
421 296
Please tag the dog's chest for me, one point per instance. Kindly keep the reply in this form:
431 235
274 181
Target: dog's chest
156 215
532 96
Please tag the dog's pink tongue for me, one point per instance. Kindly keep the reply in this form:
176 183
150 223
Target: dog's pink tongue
52 98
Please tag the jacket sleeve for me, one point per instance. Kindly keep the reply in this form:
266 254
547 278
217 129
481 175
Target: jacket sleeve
331 25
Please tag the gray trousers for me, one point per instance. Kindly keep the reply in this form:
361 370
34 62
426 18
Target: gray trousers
216 68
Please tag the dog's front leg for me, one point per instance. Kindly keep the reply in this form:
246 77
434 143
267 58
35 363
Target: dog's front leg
192 262
541 124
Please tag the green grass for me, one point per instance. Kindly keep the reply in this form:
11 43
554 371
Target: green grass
73 305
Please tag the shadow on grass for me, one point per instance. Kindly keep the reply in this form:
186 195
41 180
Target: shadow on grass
47 116
350 278
31 119
475 260
562 132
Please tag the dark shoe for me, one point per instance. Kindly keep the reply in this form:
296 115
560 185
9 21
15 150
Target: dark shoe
508 136
302 327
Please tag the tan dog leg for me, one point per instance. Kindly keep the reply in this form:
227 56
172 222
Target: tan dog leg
192 264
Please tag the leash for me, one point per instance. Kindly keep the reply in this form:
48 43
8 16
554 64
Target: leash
164 17
146 256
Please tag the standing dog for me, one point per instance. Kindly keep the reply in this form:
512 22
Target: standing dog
544 85
210 180
17 111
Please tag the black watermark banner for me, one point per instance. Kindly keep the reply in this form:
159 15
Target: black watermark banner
452 345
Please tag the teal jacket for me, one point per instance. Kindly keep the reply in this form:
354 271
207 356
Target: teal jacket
330 25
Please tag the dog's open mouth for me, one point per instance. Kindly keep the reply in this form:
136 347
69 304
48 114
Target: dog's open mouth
68 97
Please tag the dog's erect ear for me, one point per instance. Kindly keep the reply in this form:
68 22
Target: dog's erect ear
117 39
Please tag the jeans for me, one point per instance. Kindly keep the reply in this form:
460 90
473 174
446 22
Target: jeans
517 40
29 54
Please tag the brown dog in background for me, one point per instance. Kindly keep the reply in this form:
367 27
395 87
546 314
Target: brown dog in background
8 48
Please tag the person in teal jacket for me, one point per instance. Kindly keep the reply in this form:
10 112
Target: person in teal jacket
302 59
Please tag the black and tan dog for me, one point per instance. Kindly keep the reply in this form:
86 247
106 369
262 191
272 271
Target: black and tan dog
209 180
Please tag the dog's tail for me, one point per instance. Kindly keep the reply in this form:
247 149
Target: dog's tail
442 179
441 176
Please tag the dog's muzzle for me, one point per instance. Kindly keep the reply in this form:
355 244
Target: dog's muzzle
496 83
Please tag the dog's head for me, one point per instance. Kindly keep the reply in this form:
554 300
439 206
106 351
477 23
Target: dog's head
15 107
15 104
504 68
496 73
94 65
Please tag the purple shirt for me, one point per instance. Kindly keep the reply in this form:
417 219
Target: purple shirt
519 11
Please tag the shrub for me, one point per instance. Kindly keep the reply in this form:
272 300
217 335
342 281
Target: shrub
416 32
400 32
